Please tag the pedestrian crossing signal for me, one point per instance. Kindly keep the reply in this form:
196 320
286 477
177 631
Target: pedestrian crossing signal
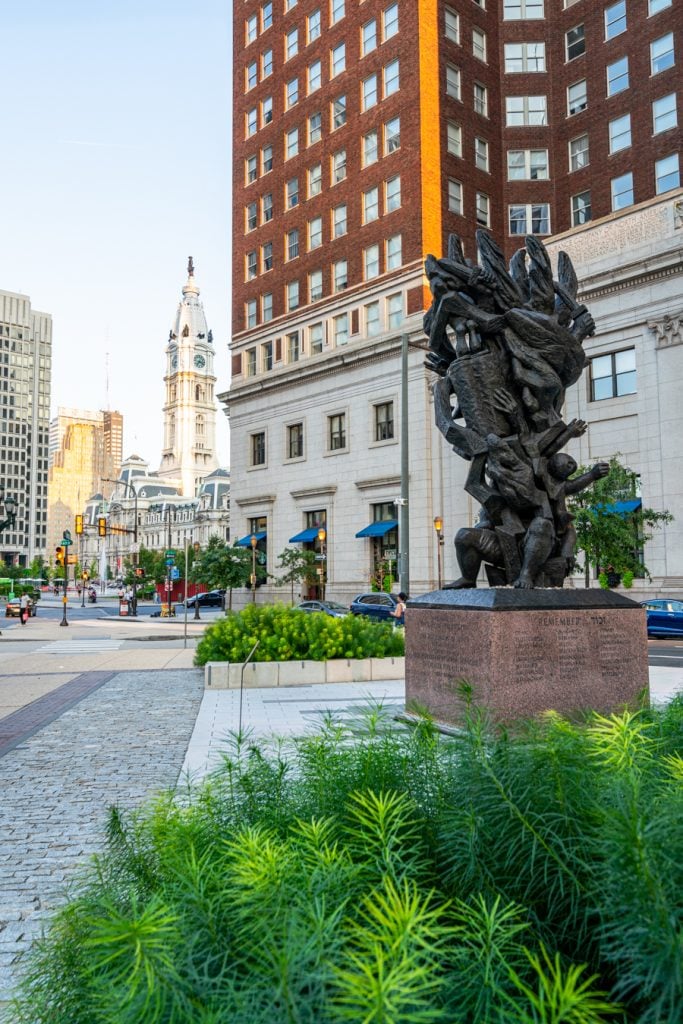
101 527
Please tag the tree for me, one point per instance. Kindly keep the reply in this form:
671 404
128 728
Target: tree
609 535
300 567
223 566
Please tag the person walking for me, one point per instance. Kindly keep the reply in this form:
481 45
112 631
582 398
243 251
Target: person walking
24 605
399 612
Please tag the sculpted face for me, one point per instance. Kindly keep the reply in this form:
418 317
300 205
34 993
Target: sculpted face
562 466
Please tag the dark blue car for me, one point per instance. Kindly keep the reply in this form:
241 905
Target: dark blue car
664 617
376 605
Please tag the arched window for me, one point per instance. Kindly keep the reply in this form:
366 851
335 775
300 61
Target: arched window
198 393
199 426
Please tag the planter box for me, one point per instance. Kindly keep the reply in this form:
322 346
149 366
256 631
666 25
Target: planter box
222 675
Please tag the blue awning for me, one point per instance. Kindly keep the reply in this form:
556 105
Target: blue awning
306 536
622 508
245 542
378 529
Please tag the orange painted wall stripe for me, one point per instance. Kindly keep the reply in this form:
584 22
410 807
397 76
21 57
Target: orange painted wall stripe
430 130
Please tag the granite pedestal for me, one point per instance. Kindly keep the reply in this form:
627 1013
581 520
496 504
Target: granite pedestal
525 651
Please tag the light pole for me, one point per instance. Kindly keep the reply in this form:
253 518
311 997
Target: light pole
322 536
438 525
168 567
196 548
253 541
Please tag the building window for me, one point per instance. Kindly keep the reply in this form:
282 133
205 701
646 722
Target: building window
291 143
451 25
479 44
251 29
662 54
292 193
372 319
313 26
292 93
293 352
581 208
371 262
577 97
251 75
267 257
481 100
394 311
453 81
292 244
251 169
664 114
655 6
337 60
617 76
339 221
340 329
391 78
250 368
336 432
370 149
267 63
292 295
369 92
266 356
368 41
315 180
340 275
532 219
267 207
315 339
667 173
575 42
251 313
266 110
315 76
267 306
619 133
258 449
315 128
483 210
454 138
390 21
392 194
371 205
252 265
393 252
252 122
384 421
392 135
454 196
251 216
527 164
291 43
525 110
613 375
524 57
338 112
295 441
338 166
266 16
481 154
622 191
315 233
336 11
315 285
266 159
578 153
521 10
615 19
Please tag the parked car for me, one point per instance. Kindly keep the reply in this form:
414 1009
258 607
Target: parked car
13 608
332 608
664 617
211 599
376 605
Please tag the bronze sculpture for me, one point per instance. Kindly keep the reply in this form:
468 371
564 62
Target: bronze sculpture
505 345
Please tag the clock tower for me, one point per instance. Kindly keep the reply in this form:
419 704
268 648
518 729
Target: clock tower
189 452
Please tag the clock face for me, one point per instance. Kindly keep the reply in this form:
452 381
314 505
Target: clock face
199 362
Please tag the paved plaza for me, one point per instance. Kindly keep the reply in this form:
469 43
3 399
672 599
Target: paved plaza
97 718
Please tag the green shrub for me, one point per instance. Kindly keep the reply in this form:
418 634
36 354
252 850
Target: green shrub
287 634
627 579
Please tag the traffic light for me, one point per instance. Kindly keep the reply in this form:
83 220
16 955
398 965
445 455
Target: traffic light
101 527
85 575
59 555
79 524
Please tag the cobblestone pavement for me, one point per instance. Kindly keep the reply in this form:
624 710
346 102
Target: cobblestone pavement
116 746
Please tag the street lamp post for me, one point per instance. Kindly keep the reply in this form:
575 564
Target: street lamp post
322 536
10 505
438 525
197 548
253 541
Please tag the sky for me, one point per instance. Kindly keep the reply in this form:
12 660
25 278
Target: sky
114 144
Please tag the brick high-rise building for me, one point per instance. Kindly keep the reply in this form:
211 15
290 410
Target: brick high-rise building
365 132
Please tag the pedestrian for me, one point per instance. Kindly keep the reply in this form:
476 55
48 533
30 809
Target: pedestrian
399 612
24 605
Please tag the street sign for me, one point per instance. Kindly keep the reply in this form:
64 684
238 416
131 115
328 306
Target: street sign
71 559
170 554
175 573
66 541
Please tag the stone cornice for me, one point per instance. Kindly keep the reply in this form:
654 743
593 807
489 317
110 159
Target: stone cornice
313 492
377 482
632 275
258 499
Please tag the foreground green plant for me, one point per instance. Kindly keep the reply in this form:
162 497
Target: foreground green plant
287 634
394 877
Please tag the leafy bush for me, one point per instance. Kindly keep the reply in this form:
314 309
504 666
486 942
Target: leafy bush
392 877
287 634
